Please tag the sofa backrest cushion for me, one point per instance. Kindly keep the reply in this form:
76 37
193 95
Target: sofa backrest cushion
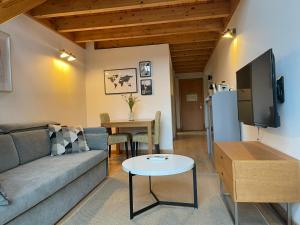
9 158
18 127
31 145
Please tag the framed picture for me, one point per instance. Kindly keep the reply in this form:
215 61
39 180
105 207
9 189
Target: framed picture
120 81
5 64
145 69
146 87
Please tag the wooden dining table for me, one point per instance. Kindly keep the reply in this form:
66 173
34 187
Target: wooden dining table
146 123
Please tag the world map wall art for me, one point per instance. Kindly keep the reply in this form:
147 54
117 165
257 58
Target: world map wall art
120 81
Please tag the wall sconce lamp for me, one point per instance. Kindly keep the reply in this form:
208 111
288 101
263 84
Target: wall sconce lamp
71 58
229 33
66 55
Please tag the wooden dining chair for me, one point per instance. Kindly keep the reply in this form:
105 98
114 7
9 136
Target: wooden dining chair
142 137
116 138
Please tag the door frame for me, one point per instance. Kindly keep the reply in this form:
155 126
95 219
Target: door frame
177 93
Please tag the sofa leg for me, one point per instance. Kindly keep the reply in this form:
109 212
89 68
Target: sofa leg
109 151
107 172
126 148
136 148
157 148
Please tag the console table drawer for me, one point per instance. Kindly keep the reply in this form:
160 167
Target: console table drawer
222 161
223 166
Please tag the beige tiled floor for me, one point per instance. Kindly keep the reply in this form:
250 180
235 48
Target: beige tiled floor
108 195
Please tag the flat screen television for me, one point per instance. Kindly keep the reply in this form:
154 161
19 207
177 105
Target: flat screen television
257 92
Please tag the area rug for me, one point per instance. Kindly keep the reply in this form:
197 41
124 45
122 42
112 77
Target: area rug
108 204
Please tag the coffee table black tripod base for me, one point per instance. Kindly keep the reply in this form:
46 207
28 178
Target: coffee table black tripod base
158 202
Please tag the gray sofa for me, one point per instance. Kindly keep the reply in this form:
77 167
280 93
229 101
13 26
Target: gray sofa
42 188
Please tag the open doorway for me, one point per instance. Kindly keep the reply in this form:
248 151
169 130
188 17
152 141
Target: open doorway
190 105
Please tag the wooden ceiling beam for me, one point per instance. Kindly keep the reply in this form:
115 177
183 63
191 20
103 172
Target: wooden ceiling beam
190 58
55 8
171 39
233 5
190 64
47 23
143 17
187 53
189 70
150 30
11 8
192 46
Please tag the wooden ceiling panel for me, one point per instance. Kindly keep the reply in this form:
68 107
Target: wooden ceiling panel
190 58
201 52
172 39
191 70
188 69
190 27
192 46
59 8
12 8
190 64
143 17
150 30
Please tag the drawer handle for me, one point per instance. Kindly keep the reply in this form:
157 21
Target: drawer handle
221 157
222 174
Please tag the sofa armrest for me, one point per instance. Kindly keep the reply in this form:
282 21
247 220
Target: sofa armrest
96 138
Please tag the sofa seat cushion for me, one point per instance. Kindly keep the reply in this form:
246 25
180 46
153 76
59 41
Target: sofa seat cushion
29 184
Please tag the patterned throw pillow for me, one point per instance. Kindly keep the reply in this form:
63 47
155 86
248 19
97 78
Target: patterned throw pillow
75 139
3 198
65 140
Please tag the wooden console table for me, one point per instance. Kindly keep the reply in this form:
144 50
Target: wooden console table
254 172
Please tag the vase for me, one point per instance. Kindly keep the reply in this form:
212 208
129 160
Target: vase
131 116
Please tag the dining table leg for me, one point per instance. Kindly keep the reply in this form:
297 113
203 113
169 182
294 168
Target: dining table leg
118 146
150 141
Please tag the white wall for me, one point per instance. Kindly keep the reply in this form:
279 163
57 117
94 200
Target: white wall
97 102
262 25
45 88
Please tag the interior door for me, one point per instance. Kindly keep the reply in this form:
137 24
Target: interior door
191 104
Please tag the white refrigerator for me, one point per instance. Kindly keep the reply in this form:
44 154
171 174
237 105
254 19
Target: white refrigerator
221 118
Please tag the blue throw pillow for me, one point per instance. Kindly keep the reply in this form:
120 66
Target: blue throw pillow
97 141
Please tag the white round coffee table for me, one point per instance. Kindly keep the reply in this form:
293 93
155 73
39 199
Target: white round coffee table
159 165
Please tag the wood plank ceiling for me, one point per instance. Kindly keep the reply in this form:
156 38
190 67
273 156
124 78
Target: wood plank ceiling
12 8
191 27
